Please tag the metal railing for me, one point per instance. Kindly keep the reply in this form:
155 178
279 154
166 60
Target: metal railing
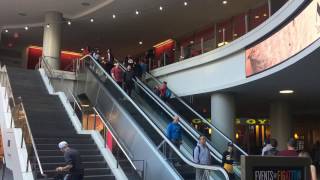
19 119
197 114
155 127
107 126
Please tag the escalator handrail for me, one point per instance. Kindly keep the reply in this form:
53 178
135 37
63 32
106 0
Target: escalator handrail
186 160
199 116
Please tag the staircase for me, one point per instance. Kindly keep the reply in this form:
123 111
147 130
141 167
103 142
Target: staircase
50 124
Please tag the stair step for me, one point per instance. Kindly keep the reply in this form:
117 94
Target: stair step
69 140
87 172
58 159
95 164
75 146
57 152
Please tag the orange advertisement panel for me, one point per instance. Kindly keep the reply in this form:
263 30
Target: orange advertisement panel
299 33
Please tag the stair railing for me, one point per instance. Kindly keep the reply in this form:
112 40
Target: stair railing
106 128
20 120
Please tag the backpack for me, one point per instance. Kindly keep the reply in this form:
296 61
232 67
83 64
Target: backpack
197 147
168 93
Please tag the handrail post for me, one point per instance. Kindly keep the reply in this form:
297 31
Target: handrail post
95 121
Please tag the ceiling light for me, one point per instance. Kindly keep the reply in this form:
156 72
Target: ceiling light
26 28
287 91
160 8
91 20
48 25
265 14
185 3
224 2
140 42
257 17
235 34
6 30
113 16
137 12
191 42
82 49
69 23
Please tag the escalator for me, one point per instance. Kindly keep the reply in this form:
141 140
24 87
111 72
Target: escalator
135 117
162 113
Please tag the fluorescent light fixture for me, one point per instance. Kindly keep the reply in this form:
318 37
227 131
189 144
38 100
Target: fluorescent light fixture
287 91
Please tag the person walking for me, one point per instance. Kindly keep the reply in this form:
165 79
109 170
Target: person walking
109 61
174 134
291 149
117 74
128 80
273 150
201 155
73 167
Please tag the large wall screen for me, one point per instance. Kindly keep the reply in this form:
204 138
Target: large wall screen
300 32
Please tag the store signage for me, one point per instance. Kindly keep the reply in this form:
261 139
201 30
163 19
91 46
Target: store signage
277 173
255 167
262 121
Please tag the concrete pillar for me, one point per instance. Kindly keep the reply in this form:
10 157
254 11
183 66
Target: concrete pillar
280 122
223 116
52 38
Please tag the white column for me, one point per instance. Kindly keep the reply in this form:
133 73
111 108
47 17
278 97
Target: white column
222 116
52 38
280 122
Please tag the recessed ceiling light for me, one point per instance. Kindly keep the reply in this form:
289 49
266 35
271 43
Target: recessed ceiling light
91 20
82 49
160 8
137 12
69 23
257 17
26 28
48 25
287 91
185 3
85 4
224 2
140 42
6 30
113 16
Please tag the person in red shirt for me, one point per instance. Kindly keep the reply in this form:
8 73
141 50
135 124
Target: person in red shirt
163 90
291 151
117 74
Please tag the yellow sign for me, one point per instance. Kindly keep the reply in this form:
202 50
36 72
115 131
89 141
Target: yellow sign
261 121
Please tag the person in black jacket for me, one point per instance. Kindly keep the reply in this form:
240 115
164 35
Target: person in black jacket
227 160
128 80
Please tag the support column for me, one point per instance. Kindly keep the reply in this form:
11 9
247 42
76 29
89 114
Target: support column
280 122
52 38
222 115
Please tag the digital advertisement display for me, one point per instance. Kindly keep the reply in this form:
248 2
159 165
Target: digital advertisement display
299 33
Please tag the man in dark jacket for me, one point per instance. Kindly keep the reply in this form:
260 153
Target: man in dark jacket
74 167
128 80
